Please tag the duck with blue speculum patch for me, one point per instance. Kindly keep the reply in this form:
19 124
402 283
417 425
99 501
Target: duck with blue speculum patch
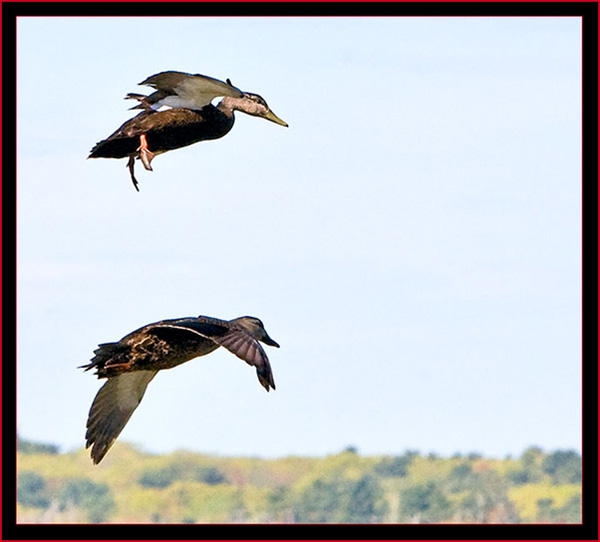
191 117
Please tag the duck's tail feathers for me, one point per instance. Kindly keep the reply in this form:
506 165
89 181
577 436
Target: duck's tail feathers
142 98
104 353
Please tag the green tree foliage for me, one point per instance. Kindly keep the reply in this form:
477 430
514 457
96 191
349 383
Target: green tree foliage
424 503
486 499
30 447
464 495
32 490
460 478
342 501
95 498
531 471
321 502
181 471
473 456
548 512
483 495
340 488
366 502
396 466
560 467
569 512
280 505
563 466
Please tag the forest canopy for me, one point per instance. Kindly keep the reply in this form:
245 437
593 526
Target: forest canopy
346 487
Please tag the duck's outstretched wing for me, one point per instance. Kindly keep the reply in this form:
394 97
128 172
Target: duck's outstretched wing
235 339
179 89
245 347
113 406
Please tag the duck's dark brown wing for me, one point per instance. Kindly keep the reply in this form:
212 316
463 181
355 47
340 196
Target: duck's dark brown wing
153 347
164 131
235 339
113 406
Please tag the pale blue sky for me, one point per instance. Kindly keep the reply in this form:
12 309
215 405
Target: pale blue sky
412 240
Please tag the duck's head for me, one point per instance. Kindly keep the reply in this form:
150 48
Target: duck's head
255 328
255 105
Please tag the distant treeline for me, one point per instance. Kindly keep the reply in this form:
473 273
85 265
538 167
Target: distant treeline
186 487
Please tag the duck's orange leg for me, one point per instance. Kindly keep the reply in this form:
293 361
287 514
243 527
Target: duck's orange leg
146 155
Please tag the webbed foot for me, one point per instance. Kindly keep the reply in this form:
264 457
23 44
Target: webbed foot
146 156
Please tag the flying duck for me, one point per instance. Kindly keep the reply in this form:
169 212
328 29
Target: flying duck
190 118
131 363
